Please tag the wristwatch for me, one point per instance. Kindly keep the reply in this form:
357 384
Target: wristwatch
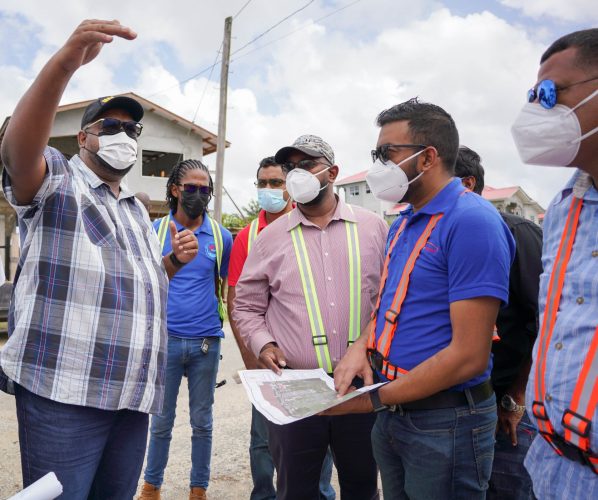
509 404
376 403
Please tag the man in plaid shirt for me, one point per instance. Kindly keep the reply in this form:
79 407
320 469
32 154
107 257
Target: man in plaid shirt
86 349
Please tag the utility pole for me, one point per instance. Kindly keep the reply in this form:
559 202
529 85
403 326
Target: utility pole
221 142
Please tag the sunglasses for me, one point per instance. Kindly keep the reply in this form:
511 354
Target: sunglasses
306 164
112 126
546 92
381 152
275 183
194 188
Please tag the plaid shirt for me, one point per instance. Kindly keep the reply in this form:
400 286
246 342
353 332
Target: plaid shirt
87 319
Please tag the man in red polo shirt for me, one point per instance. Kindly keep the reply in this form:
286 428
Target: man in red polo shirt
275 202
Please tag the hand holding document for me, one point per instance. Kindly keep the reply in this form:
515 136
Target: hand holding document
294 395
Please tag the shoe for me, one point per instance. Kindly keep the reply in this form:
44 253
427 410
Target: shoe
149 492
197 493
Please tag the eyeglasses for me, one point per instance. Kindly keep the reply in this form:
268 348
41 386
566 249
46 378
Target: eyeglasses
275 183
194 188
381 152
306 164
111 126
546 92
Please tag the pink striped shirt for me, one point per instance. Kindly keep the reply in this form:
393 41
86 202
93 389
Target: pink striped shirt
269 303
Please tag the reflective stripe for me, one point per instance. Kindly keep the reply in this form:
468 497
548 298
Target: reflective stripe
391 316
253 230
585 398
319 338
217 233
163 230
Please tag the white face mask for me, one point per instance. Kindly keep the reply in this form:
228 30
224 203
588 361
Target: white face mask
388 181
549 136
118 150
303 186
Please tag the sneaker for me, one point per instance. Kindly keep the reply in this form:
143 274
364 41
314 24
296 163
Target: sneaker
149 492
197 493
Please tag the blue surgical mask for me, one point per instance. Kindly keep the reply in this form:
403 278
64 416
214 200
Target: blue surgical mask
271 200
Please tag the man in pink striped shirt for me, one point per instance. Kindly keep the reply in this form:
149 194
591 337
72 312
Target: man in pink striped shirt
338 249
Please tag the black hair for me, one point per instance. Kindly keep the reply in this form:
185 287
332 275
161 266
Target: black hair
178 171
429 125
469 164
586 43
269 161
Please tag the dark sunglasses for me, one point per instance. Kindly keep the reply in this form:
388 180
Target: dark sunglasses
194 188
381 152
306 164
275 183
112 126
546 92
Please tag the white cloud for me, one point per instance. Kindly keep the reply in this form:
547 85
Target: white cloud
331 78
584 11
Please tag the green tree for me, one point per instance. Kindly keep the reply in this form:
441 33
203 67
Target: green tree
251 210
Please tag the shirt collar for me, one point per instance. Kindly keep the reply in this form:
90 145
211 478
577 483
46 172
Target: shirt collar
94 181
444 199
580 185
206 226
261 220
342 212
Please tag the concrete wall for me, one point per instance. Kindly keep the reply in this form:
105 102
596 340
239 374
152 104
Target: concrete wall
364 199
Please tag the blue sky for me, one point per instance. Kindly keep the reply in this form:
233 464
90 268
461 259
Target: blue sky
331 77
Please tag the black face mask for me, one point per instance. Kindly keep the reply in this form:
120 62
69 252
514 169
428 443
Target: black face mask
194 204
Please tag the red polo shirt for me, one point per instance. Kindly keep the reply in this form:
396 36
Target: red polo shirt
238 254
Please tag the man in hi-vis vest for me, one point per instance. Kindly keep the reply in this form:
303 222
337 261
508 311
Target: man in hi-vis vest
323 261
445 276
558 126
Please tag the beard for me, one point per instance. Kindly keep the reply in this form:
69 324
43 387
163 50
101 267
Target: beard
412 173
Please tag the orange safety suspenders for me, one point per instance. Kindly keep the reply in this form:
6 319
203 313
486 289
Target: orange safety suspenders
378 352
577 419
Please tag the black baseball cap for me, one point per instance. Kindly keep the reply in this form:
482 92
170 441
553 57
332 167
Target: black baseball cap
97 107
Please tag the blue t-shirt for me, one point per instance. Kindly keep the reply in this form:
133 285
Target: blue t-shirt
192 309
468 255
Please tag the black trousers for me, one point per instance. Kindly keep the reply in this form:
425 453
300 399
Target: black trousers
298 451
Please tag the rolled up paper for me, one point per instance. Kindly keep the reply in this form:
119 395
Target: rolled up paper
45 488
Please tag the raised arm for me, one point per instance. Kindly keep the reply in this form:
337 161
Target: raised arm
30 124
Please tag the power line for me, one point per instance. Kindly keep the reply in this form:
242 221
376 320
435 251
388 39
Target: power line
242 9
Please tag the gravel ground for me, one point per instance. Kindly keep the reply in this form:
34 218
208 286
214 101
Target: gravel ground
230 477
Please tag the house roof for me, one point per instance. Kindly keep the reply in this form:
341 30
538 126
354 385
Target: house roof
209 138
352 179
492 194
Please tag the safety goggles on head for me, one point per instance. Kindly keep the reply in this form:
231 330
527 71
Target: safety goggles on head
274 183
306 164
194 188
546 92
112 126
381 152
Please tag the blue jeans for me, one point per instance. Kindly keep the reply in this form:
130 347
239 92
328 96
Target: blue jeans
186 356
96 454
510 480
436 454
262 467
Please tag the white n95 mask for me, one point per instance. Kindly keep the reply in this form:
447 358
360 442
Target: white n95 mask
549 136
303 186
388 181
117 150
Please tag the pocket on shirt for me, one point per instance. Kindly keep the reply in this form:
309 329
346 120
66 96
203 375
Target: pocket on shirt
95 221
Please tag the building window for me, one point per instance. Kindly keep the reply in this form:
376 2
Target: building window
367 188
353 190
532 218
158 163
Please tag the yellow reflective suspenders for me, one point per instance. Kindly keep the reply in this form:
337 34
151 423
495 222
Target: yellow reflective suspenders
319 338
253 230
216 231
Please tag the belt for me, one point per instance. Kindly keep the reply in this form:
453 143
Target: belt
449 399
572 452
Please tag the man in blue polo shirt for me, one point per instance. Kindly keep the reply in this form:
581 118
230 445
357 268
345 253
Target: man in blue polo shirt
447 272
194 319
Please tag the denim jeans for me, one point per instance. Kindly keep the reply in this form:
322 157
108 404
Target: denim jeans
436 454
262 467
510 480
186 356
96 454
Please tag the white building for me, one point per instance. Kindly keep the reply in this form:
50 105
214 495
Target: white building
166 139
513 200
